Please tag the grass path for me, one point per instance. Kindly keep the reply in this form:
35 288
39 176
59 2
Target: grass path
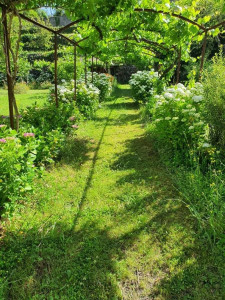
106 223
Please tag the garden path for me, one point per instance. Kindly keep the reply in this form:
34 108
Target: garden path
106 222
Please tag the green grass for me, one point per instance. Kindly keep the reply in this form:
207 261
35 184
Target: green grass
23 100
107 223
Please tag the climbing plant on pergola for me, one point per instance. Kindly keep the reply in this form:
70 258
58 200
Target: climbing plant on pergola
130 21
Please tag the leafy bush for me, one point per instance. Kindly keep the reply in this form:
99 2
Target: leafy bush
41 137
17 170
87 96
178 121
144 84
40 86
87 99
21 88
49 117
104 83
214 101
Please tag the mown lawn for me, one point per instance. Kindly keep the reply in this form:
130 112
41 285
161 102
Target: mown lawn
107 223
23 100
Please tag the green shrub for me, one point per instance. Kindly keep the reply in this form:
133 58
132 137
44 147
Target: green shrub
17 170
214 96
144 84
40 86
87 97
21 88
178 121
104 83
49 117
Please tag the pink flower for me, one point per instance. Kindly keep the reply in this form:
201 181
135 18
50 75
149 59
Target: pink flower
2 125
2 140
75 126
10 138
73 118
27 134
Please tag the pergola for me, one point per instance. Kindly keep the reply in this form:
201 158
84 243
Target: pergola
152 46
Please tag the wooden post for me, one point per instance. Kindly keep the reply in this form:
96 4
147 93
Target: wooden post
85 68
178 66
75 73
11 95
203 53
92 68
56 73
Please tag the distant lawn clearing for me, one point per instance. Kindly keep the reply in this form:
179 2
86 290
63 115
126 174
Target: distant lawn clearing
23 100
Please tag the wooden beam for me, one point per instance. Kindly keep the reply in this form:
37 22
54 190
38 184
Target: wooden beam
92 68
56 71
171 14
11 95
69 25
85 68
75 73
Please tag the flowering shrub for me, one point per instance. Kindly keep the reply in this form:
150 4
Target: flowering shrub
144 84
41 137
49 117
17 169
87 97
104 83
178 121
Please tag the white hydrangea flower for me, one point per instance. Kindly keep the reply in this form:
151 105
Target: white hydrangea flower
175 118
168 96
181 86
191 127
167 118
180 91
170 90
197 98
206 145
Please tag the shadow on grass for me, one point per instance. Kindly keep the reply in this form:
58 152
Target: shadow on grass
75 151
123 105
53 262
121 91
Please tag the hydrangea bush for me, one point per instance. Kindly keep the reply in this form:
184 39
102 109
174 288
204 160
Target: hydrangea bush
87 96
144 84
178 119
104 83
17 169
87 99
